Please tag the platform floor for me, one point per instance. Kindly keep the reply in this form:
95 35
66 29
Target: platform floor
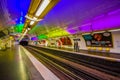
14 65
97 53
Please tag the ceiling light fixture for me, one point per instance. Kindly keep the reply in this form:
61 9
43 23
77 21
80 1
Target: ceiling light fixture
23 35
34 15
42 7
40 10
28 29
33 21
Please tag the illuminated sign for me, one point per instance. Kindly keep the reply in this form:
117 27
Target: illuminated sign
99 39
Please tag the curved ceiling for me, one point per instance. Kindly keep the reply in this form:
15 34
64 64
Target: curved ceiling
12 10
68 14
76 11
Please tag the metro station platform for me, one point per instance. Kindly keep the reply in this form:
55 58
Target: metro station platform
27 26
15 65
88 52
97 53
82 60
12 66
25 63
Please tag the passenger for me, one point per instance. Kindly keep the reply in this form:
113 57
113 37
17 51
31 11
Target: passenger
76 47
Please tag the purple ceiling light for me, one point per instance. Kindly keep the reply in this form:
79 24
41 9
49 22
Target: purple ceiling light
34 38
98 17
72 31
114 12
84 11
86 27
107 22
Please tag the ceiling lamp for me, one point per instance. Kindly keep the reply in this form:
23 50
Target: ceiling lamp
33 7
43 9
32 22
38 9
23 35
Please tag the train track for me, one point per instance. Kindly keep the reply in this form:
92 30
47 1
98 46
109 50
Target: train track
63 68
110 67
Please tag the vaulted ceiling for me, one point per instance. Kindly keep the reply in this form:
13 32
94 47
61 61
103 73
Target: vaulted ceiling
11 11
67 14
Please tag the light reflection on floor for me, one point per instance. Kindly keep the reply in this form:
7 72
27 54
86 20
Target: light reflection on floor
12 66
21 66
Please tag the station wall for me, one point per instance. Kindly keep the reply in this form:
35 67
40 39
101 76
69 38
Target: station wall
82 44
116 43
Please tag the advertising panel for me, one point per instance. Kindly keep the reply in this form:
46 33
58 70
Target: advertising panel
99 39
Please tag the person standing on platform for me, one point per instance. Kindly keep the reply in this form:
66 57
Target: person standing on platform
76 46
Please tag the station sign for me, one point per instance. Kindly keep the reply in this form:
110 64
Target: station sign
77 39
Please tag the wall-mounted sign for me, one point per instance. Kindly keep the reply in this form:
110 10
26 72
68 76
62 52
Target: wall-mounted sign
99 39
77 39
66 41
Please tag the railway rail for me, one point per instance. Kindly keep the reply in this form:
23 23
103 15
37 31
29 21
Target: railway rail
67 66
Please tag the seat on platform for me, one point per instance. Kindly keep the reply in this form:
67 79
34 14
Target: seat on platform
107 49
100 48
